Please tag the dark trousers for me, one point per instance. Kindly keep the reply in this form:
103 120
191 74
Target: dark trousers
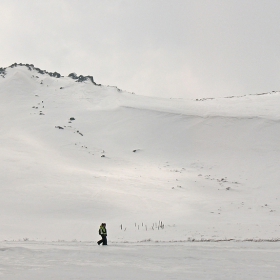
103 240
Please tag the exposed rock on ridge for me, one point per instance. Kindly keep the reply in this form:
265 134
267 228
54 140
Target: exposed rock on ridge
81 78
31 67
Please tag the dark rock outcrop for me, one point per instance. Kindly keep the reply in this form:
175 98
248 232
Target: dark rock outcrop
31 67
81 78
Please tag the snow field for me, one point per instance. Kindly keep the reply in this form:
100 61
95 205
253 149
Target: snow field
166 171
63 260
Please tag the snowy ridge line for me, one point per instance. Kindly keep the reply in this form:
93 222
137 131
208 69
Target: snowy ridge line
206 116
238 96
73 76
57 75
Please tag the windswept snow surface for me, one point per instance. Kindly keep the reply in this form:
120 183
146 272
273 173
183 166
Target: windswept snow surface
153 169
64 261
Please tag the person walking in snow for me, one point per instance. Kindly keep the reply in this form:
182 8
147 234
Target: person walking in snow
103 233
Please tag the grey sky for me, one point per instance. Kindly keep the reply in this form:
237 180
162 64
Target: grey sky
167 48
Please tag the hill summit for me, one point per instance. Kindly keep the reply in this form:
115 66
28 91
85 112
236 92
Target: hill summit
31 67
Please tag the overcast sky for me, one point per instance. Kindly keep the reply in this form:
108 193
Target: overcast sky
165 48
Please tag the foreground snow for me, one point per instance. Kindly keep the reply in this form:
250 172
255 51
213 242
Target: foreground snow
149 261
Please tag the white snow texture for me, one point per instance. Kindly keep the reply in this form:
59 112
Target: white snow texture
170 177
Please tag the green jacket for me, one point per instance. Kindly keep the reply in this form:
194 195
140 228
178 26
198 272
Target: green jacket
102 231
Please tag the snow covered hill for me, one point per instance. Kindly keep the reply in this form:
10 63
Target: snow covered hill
75 154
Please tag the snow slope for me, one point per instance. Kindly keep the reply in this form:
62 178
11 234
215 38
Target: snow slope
159 169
